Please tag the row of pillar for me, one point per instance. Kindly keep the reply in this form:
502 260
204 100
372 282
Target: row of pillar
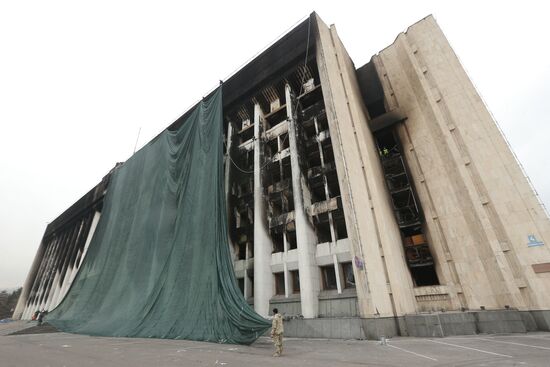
305 234
57 267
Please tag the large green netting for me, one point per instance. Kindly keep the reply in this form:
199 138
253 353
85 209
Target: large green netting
159 263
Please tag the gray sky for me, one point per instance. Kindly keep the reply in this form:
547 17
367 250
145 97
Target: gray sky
78 80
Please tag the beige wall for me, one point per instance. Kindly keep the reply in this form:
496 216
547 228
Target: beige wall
384 287
479 207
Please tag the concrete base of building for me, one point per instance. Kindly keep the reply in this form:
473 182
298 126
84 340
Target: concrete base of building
422 325
541 319
329 328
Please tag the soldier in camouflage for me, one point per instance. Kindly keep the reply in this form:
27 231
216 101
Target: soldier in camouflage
277 330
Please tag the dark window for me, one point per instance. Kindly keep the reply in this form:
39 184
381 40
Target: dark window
241 284
376 108
424 276
251 284
278 242
291 239
279 283
242 251
295 281
329 277
349 278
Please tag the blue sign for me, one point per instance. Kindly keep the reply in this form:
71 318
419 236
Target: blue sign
533 242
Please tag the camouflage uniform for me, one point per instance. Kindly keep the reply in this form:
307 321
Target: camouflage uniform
277 334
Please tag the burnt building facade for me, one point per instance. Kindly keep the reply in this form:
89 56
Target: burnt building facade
362 201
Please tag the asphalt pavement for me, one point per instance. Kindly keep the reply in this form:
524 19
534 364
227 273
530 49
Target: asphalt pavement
62 349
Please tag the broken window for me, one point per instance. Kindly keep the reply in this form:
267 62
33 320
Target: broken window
278 242
295 276
291 240
349 278
406 209
241 285
279 283
242 251
329 277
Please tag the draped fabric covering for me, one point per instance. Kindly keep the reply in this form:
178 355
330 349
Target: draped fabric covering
159 263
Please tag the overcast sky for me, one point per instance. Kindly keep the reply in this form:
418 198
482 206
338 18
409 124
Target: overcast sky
79 79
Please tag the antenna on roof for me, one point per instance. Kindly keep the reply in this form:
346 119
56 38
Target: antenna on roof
135 146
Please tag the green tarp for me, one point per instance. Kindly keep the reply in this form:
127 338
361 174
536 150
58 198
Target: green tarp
159 263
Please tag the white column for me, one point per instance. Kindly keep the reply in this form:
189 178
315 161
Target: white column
20 309
263 278
305 234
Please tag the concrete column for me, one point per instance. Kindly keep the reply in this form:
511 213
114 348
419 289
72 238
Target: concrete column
338 272
305 234
18 313
263 279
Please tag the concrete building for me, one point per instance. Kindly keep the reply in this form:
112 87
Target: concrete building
379 200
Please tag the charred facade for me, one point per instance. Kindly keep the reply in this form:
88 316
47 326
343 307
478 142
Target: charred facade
379 200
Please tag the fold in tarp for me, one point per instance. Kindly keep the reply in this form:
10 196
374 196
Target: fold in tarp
159 263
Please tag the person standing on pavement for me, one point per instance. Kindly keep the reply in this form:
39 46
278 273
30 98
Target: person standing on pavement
277 330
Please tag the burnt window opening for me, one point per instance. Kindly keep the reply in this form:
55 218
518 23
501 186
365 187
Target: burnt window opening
288 203
308 128
317 191
291 240
329 277
251 283
376 108
371 89
241 285
278 242
276 117
328 152
287 169
272 174
284 141
333 186
279 283
322 228
322 122
271 147
425 276
295 276
313 156
276 207
406 209
339 224
250 159
386 140
349 277
242 251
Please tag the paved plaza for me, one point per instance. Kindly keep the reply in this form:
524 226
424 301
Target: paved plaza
62 349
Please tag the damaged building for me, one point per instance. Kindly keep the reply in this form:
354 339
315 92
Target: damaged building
362 201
